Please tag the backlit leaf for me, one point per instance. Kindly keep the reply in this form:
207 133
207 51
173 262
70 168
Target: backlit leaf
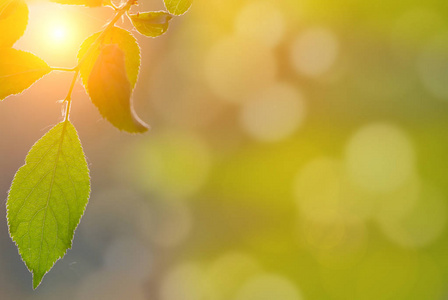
178 7
47 198
19 70
127 43
110 90
13 21
152 24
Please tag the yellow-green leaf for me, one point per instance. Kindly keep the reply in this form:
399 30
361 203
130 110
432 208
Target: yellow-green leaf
13 21
19 70
92 46
152 24
47 198
110 90
178 7
90 3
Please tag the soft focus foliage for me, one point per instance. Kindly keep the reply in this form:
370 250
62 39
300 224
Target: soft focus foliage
339 193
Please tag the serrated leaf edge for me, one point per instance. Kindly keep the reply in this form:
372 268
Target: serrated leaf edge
27 19
159 11
76 227
135 42
48 69
178 15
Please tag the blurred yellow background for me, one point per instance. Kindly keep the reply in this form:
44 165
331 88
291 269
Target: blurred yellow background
298 151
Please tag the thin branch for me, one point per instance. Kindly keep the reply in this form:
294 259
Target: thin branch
68 99
63 69
119 13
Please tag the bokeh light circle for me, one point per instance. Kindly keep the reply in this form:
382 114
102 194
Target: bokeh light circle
314 52
421 225
433 66
267 287
236 68
274 113
174 224
186 281
337 244
318 189
380 157
262 21
106 285
229 272
173 164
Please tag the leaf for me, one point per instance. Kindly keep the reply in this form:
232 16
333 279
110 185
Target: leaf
13 21
19 70
90 3
91 47
113 101
152 24
47 198
110 90
178 7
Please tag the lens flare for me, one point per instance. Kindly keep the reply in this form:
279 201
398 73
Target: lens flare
58 34
53 33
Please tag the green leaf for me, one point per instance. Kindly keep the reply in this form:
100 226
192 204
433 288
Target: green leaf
110 90
178 7
19 70
47 198
90 3
152 24
13 21
92 46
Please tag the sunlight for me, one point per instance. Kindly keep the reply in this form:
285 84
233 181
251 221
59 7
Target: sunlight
54 33
59 34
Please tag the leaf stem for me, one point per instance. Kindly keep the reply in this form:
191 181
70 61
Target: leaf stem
119 12
63 69
68 99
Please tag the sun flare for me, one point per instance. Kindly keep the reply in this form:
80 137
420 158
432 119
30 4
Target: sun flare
54 34
58 33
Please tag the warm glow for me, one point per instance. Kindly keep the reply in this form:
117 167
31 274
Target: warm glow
54 34
59 34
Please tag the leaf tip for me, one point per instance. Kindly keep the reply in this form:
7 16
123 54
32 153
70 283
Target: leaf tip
37 280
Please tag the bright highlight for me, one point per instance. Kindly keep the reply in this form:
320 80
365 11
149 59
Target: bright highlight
58 34
53 34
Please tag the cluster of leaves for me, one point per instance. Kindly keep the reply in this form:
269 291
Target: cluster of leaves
50 192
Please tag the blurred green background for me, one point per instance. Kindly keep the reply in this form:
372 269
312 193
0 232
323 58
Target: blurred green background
298 150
